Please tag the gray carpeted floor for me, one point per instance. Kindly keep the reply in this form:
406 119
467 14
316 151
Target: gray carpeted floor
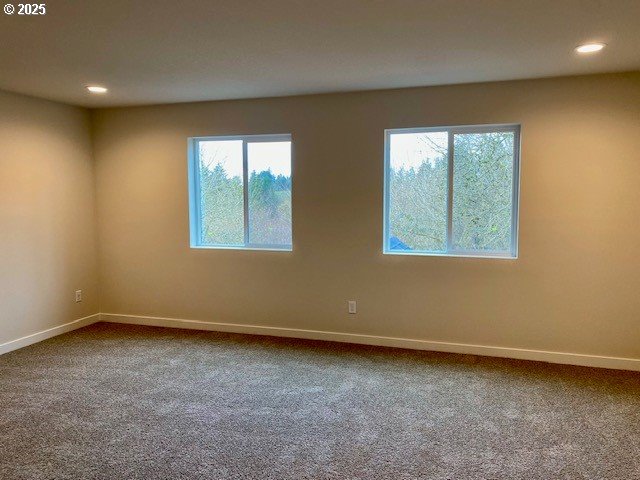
122 402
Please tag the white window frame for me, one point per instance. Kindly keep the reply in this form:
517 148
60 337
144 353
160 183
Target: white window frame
515 190
195 206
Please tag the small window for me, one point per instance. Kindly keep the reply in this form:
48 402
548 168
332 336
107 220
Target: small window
240 192
452 191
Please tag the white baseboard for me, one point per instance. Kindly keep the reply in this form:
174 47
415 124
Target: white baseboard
517 353
50 332
504 352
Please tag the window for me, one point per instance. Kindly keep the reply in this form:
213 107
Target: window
452 191
240 192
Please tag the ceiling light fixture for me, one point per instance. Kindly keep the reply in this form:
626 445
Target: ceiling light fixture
590 47
96 89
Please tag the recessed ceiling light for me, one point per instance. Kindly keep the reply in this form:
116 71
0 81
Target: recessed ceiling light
590 47
96 89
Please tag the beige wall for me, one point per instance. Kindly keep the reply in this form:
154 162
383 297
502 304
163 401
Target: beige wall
574 287
47 216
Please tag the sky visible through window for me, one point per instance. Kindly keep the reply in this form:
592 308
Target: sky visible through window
410 150
265 156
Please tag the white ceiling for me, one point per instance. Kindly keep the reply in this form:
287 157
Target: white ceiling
161 51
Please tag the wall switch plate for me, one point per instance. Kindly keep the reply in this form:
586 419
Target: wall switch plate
353 308
78 296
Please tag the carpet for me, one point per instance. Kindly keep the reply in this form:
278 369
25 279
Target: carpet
128 402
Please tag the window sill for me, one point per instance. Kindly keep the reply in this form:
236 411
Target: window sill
451 255
225 247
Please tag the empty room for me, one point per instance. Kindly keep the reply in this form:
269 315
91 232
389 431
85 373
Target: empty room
343 239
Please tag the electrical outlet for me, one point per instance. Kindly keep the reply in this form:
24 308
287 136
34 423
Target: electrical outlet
78 296
353 308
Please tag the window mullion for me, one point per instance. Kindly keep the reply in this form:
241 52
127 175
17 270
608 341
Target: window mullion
450 192
245 191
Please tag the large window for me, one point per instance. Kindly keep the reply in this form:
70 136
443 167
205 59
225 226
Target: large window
452 191
240 189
